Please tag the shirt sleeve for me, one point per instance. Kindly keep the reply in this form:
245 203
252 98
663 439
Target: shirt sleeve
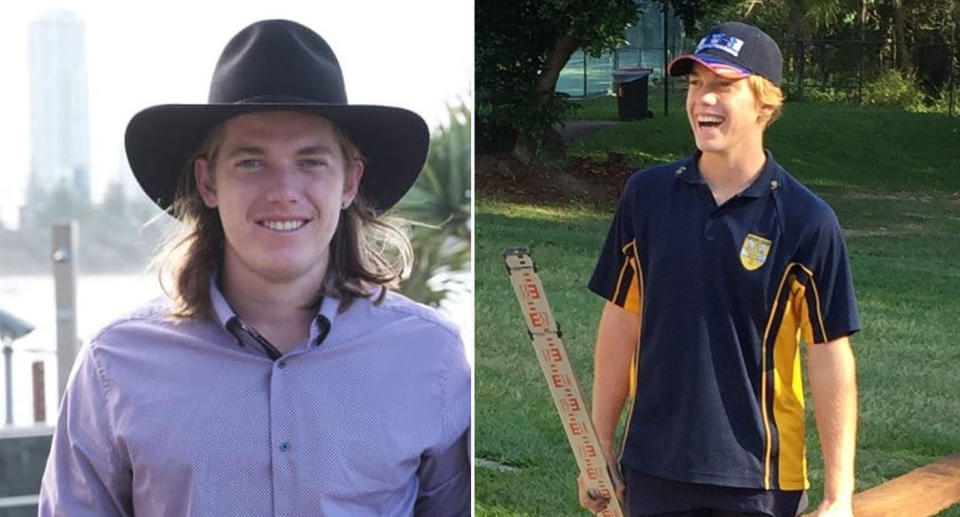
445 471
830 300
617 275
85 473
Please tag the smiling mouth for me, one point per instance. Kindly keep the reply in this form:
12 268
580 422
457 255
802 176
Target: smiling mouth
707 121
283 226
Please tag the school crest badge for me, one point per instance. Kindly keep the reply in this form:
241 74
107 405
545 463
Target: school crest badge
754 251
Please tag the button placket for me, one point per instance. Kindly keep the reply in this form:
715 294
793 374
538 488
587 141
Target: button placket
280 440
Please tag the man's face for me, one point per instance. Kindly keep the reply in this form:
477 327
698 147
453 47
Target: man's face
279 183
725 115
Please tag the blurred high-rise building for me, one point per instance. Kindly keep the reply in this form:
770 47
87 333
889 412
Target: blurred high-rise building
59 121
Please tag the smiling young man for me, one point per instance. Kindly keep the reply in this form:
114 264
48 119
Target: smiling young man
281 376
715 268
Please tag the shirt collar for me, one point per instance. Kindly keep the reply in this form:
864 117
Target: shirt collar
768 180
319 327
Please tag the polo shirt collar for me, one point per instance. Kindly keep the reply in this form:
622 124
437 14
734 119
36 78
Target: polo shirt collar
768 180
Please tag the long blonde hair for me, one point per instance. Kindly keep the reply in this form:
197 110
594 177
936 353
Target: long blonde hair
368 253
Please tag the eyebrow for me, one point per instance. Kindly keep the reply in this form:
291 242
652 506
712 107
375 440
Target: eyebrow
259 151
315 149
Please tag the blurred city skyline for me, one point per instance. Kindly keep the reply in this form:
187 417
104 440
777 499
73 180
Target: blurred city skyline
142 54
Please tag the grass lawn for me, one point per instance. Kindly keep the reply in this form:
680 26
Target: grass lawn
893 179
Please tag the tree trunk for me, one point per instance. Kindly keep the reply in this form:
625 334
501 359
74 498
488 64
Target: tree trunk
557 58
549 145
904 62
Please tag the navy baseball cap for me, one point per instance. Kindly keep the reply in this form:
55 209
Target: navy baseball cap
734 50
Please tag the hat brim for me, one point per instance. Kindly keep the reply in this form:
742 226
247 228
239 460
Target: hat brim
683 65
161 139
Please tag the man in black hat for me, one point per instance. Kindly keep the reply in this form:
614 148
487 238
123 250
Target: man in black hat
280 376
715 268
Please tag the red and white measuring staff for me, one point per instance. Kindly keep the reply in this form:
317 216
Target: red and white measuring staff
547 341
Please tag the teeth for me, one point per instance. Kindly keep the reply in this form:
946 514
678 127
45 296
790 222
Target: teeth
282 226
709 119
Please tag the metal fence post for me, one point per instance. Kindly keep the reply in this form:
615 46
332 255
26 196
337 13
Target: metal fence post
584 52
64 256
8 376
666 82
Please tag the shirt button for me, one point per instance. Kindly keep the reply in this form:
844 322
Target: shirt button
284 446
282 364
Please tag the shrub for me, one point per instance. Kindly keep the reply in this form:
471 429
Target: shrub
894 89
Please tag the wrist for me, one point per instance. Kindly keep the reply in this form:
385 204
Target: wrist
841 498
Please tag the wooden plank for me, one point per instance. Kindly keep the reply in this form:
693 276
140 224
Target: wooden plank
919 493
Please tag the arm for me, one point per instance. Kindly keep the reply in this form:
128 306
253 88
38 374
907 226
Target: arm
616 345
445 471
617 337
85 473
832 372
445 480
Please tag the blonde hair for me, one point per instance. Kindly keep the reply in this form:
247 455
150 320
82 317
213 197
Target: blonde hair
367 253
767 93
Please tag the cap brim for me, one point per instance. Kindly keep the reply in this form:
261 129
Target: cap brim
395 141
683 65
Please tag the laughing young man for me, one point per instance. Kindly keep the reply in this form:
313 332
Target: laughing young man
281 377
715 268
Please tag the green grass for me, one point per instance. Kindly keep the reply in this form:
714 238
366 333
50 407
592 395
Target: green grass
826 145
892 179
604 107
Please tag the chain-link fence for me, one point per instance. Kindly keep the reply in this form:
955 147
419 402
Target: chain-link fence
585 75
850 71
865 72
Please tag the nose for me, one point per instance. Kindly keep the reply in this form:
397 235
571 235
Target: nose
709 98
283 186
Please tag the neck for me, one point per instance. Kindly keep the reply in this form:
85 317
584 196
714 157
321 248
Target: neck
281 310
728 173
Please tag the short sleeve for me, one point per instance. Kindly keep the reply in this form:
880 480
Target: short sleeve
617 275
830 300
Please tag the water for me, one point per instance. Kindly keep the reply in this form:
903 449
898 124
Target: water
100 300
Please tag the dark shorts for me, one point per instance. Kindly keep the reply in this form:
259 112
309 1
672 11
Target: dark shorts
649 496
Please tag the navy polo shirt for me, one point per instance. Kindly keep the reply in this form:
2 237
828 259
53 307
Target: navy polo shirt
726 293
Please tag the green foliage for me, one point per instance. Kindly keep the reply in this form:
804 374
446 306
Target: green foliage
438 207
941 103
894 89
690 11
514 38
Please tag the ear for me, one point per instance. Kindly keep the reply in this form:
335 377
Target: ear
352 175
205 184
766 112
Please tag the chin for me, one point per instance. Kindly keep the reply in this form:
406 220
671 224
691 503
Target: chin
710 147
285 269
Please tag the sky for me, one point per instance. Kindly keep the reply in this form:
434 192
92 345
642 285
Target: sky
416 54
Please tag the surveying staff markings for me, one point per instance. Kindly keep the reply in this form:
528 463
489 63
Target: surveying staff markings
547 340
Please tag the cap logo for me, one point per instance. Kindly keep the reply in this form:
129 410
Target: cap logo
729 44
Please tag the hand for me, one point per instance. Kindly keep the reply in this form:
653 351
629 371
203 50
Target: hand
835 508
595 502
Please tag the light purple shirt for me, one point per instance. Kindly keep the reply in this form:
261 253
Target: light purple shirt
185 419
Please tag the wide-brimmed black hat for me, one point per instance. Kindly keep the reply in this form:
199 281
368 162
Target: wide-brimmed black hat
278 65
